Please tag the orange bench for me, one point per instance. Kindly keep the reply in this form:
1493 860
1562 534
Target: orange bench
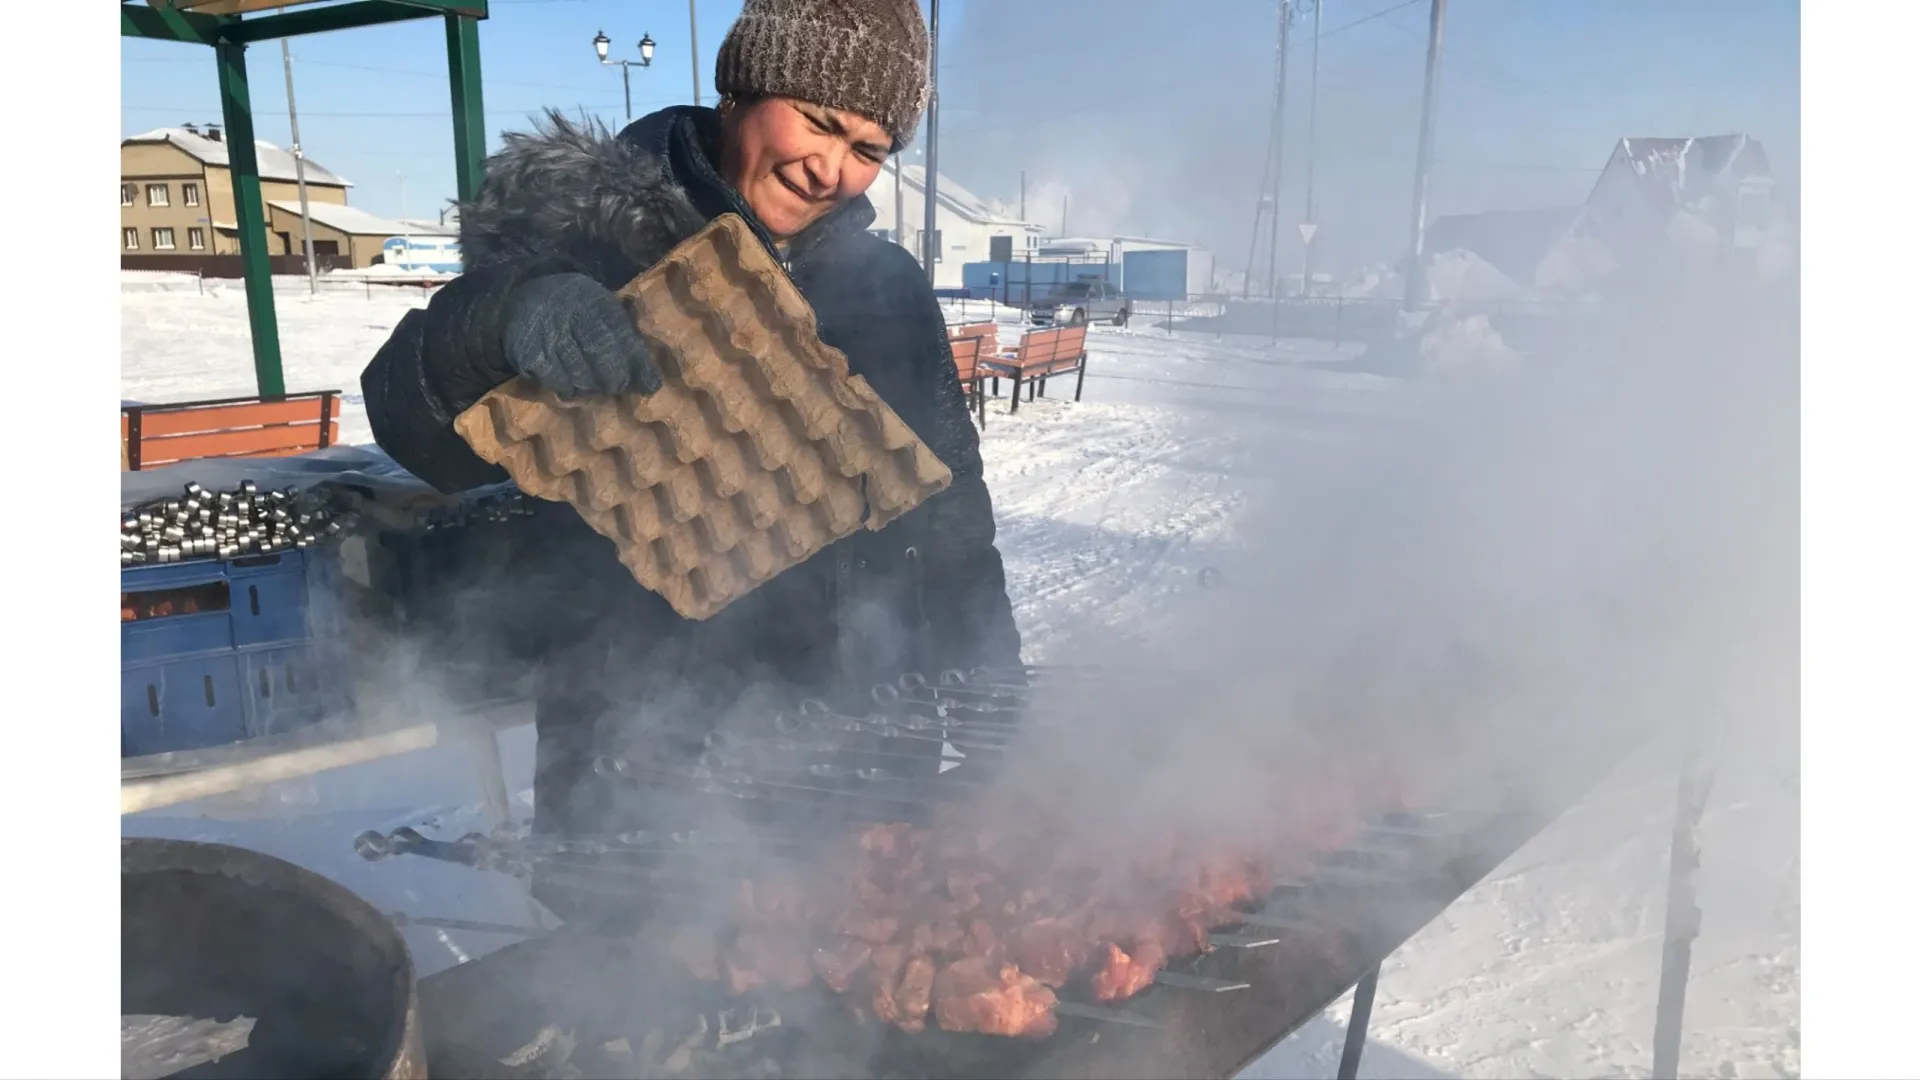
970 344
1042 353
156 435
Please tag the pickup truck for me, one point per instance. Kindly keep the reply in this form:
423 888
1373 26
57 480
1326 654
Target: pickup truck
1078 302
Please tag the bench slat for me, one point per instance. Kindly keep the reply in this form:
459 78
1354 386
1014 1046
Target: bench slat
158 420
966 357
275 439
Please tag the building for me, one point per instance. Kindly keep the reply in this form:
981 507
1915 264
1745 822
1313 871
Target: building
352 237
964 223
1659 206
1147 269
176 194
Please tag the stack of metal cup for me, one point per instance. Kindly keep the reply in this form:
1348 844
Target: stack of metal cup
233 524
493 509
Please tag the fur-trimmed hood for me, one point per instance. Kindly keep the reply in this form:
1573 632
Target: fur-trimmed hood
613 205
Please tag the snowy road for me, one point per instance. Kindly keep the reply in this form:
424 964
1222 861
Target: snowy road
1107 511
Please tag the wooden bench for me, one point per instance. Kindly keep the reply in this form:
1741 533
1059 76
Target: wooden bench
970 344
1042 353
250 427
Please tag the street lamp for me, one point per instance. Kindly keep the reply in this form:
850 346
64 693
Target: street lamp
600 43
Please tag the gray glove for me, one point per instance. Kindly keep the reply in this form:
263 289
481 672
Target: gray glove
571 335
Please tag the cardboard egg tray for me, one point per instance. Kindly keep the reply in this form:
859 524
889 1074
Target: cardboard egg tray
760 449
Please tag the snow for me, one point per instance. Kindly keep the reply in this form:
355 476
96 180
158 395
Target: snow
1108 511
1461 275
1455 341
1452 276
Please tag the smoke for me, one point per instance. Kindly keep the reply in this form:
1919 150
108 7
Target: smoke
1081 92
1515 574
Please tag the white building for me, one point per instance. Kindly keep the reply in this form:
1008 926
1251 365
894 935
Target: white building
964 223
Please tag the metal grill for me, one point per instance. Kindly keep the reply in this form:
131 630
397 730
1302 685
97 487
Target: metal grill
1285 958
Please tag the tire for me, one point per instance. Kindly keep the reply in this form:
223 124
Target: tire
1120 319
1079 317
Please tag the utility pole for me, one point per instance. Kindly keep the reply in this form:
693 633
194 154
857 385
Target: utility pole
1023 194
1310 227
1683 911
1063 216
1279 140
1423 163
1263 201
299 170
406 236
932 235
693 45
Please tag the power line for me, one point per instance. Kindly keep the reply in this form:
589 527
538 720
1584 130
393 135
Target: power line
491 81
1482 66
611 106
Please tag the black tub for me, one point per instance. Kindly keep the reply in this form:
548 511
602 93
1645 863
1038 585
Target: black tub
237 964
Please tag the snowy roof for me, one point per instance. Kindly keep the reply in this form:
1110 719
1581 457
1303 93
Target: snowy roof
275 163
427 227
954 197
348 219
1679 171
1512 241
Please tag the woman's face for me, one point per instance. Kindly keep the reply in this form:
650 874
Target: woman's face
793 160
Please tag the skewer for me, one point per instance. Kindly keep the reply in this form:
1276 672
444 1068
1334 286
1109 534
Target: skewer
1104 1015
1198 982
1242 941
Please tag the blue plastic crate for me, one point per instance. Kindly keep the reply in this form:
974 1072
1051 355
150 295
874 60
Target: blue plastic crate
227 651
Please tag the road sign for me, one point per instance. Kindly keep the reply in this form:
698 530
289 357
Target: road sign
1307 229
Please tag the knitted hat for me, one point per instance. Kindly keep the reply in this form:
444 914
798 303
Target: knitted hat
865 56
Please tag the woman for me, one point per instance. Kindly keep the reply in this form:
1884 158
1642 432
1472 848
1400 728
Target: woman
815 94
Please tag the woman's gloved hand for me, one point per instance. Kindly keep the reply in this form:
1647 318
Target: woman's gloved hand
571 335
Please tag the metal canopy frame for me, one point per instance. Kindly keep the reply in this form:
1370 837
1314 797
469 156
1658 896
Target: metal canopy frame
229 35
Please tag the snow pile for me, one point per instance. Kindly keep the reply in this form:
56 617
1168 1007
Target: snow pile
1462 275
1575 266
1454 275
1457 342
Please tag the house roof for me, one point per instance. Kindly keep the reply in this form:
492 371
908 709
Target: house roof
1676 172
275 163
347 219
953 196
428 227
1512 241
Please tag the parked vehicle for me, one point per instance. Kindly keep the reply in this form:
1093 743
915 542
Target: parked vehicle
422 254
1078 302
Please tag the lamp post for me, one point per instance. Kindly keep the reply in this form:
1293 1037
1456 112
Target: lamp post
600 43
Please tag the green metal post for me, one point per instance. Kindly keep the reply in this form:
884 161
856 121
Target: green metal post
469 115
250 216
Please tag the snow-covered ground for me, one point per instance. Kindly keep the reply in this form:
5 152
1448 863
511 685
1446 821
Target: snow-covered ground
1108 510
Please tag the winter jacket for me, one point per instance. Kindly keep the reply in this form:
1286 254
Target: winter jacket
926 593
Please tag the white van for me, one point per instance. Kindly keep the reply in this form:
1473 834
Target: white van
422 254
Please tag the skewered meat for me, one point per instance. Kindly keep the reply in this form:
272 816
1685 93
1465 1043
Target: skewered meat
1051 950
1123 974
914 994
974 995
838 964
976 922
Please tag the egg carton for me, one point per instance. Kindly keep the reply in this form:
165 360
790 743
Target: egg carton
759 450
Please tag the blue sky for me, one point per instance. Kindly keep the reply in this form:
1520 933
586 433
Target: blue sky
1142 115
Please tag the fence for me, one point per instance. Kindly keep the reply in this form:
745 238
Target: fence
229 266
174 280
1337 319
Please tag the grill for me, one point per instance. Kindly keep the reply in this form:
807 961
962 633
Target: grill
588 999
